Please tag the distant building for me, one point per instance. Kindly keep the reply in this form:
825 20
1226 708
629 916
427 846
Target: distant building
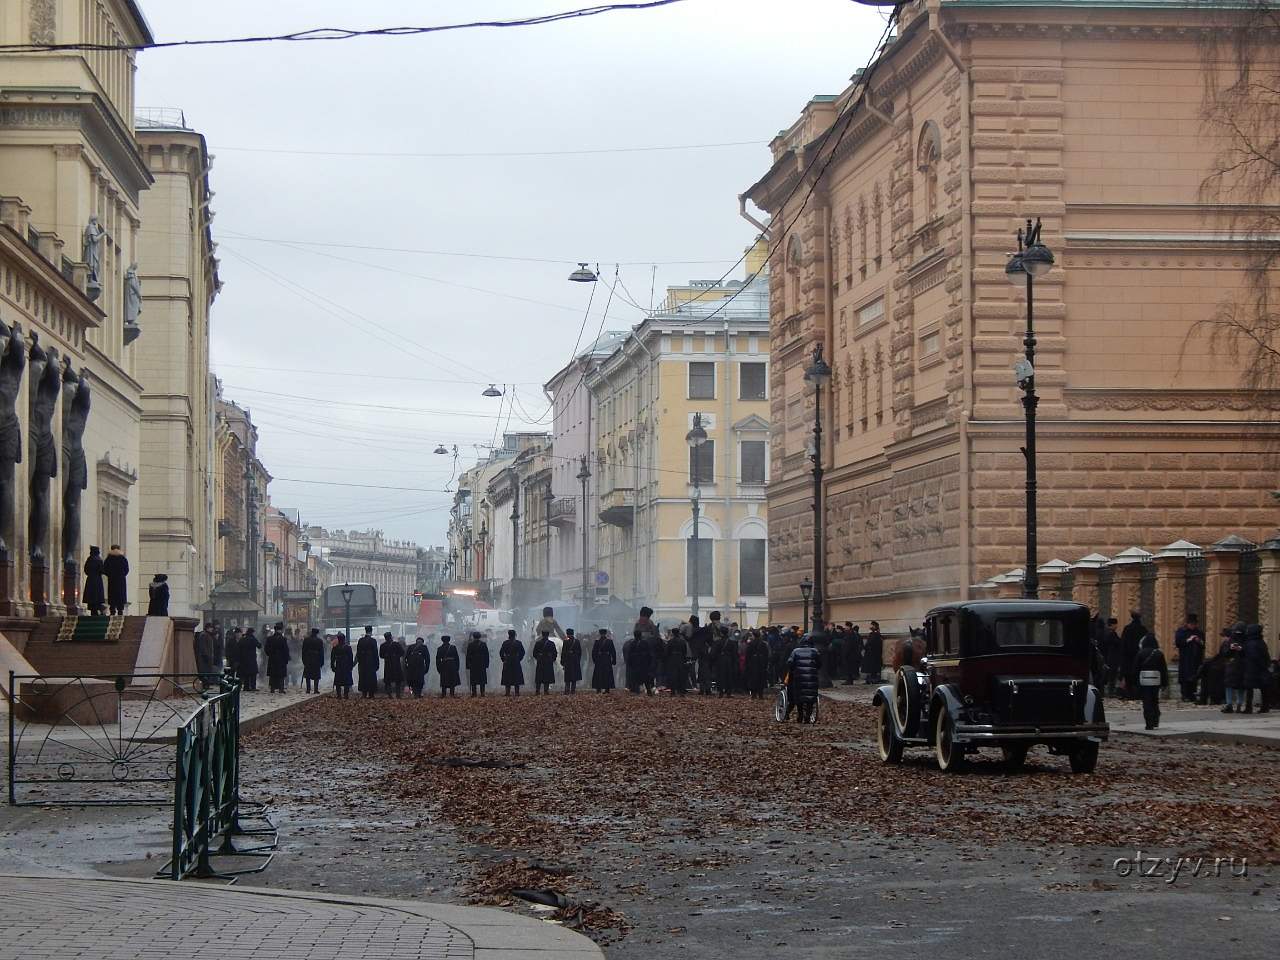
368 557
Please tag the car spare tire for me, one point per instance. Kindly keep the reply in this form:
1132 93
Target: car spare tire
907 700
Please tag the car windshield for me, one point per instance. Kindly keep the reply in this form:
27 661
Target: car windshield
1029 633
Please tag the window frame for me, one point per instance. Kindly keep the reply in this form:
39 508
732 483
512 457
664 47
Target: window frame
689 379
705 577
764 461
709 478
764 568
764 380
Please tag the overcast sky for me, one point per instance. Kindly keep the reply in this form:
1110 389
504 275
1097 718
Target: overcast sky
356 362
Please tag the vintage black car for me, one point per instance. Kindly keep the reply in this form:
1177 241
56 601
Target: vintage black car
996 673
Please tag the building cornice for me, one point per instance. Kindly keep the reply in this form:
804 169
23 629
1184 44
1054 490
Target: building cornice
85 112
50 278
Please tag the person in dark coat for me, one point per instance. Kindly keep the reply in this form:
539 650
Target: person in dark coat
206 664
367 660
276 649
447 665
628 664
95 595
417 661
643 666
716 632
1233 669
1212 675
803 668
1113 655
698 641
852 652
1257 668
477 664
247 659
675 658
604 656
342 660
392 655
116 569
511 653
1130 645
158 596
1152 674
571 661
646 630
726 664
1189 642
312 654
544 663
873 654
756 675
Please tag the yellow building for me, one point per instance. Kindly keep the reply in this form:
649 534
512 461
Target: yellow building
706 358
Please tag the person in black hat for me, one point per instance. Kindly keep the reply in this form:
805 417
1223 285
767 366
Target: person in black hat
392 655
511 653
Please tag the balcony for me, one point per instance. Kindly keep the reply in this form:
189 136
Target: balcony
617 507
563 512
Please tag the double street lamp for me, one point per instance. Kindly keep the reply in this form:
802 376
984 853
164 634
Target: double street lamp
1032 261
695 438
817 375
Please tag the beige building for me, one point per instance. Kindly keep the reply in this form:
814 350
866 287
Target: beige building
179 275
979 114
72 176
707 357
368 557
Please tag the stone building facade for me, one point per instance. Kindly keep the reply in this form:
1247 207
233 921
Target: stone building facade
179 276
977 114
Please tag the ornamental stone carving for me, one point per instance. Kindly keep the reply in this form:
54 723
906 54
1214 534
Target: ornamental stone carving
43 21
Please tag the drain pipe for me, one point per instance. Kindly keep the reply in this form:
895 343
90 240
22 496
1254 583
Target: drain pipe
742 212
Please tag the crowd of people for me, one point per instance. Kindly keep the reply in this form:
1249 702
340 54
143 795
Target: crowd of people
716 658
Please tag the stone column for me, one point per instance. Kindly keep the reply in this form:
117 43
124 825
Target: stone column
1269 593
1126 589
1050 575
1087 571
1221 592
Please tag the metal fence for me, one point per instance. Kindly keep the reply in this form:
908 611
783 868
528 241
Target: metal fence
1147 593
1197 567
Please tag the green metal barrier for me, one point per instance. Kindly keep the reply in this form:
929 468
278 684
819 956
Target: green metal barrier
207 810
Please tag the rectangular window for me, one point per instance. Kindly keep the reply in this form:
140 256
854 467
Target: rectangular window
702 463
752 385
753 460
930 344
751 567
698 573
702 381
871 313
1028 633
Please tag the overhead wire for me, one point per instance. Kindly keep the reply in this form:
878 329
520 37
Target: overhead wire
341 33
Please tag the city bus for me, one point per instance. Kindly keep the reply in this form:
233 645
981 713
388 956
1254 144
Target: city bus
364 607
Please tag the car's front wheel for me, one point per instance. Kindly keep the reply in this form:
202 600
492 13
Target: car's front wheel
887 736
1084 758
950 755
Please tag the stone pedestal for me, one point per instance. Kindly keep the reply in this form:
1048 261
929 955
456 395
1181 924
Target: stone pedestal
71 590
1269 593
1171 600
1221 593
1084 587
1126 590
9 605
40 589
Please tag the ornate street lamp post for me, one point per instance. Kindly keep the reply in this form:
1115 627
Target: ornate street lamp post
818 375
1033 260
346 600
696 438
584 477
806 589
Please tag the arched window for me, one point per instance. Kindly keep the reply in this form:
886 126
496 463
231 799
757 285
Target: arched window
928 159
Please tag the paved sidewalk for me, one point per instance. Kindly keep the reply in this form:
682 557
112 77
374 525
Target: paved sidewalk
50 918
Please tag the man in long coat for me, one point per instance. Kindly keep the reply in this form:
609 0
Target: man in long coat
204 646
116 570
675 661
392 655
511 653
312 654
447 662
342 660
247 659
604 657
873 654
852 652
571 661
367 660
757 672
727 665
629 664
95 594
544 659
646 630
698 639
477 664
1189 642
277 652
417 661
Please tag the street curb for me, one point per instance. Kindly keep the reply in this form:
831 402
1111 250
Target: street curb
253 723
494 934
1204 736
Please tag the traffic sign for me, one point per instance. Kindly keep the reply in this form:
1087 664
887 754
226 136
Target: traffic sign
602 578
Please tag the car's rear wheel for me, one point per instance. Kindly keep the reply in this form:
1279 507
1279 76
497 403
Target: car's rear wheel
1084 758
1015 755
950 755
887 736
906 700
